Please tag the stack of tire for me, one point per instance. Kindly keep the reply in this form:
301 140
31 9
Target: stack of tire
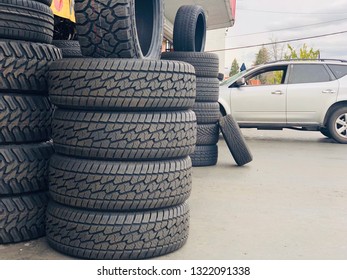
123 132
26 30
189 43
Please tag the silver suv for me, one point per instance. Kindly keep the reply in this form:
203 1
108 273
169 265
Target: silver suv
303 94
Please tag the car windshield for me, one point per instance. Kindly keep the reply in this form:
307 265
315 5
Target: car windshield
233 78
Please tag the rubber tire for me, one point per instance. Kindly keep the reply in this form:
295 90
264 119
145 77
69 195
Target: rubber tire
46 2
331 125
205 156
69 48
220 77
325 132
24 118
206 112
117 235
120 29
124 136
22 217
205 64
207 134
235 140
207 90
127 84
189 33
113 185
25 66
26 20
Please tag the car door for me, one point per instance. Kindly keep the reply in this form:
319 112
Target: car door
311 91
262 100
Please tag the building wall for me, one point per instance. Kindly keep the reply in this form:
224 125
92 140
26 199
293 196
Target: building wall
215 40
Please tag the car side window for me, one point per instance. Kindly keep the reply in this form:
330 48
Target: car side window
308 73
338 70
268 76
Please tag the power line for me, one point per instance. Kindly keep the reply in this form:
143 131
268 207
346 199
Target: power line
280 42
291 13
288 28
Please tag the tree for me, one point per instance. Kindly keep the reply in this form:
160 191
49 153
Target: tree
304 53
235 68
262 56
276 50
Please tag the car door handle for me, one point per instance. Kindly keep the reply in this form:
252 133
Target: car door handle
278 92
330 91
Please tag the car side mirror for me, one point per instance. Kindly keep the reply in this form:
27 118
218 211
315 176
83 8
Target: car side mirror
240 82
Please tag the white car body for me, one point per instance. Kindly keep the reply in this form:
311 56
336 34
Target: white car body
293 103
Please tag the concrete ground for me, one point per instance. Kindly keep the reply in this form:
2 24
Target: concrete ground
289 203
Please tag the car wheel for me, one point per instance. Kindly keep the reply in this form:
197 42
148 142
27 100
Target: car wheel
338 125
325 132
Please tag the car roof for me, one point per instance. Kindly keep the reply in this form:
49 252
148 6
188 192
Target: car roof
308 61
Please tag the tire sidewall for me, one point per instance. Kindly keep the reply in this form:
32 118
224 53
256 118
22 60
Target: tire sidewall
331 125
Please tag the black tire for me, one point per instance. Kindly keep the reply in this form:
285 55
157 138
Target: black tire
112 185
189 33
235 140
122 84
205 156
24 168
24 118
325 132
119 136
205 64
26 20
206 112
22 217
117 235
120 29
207 134
46 2
207 90
24 66
337 125
69 48
220 77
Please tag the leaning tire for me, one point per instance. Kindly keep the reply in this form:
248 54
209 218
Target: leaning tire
205 156
25 66
114 185
235 140
115 84
207 113
26 20
22 217
120 29
205 64
337 125
24 168
24 118
120 136
190 29
69 48
207 134
117 235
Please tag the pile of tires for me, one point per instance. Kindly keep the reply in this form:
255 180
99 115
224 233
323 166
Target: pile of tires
123 131
26 31
189 43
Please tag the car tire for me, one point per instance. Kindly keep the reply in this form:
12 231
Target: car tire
189 33
207 134
117 235
235 140
205 155
120 29
46 2
124 136
26 20
24 118
22 217
207 112
207 90
128 84
119 185
337 125
69 48
25 66
205 64
24 168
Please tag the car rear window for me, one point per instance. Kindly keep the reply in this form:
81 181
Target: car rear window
338 70
308 73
